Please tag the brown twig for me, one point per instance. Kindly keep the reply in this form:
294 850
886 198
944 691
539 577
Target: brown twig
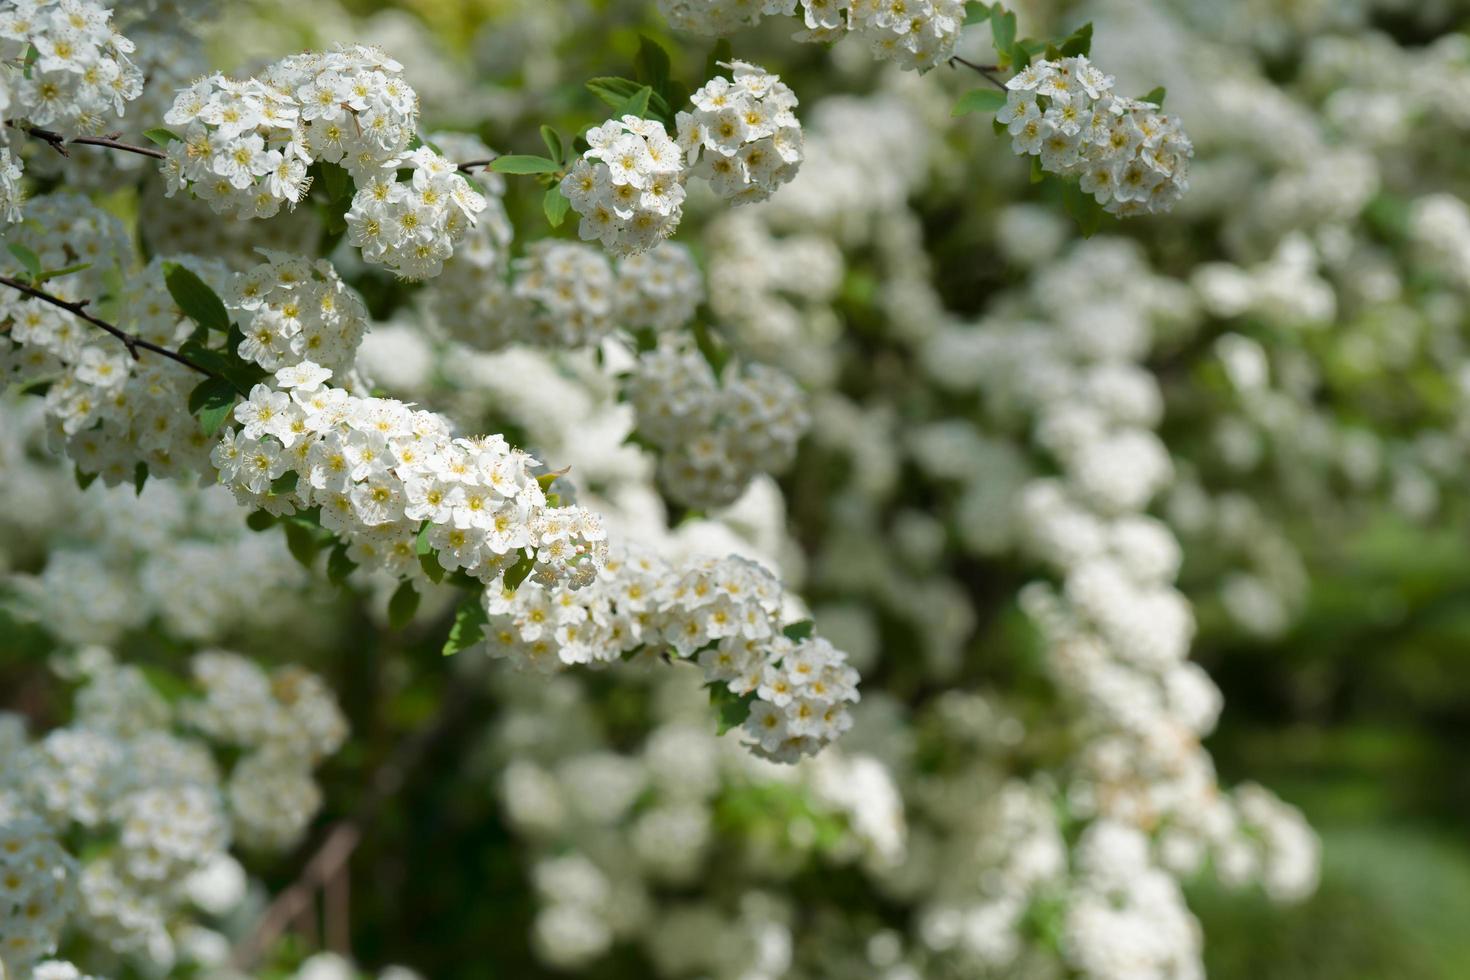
131 341
985 70
328 865
110 141
472 165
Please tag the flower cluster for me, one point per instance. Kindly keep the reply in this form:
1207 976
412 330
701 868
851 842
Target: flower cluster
917 34
174 555
607 825
659 289
722 612
115 412
714 17
246 145
563 295
743 135
1130 157
288 721
79 77
296 310
412 226
715 433
38 882
246 148
132 783
1126 917
629 185
470 298
379 473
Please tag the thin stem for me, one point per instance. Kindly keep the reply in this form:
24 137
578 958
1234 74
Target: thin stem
131 341
110 141
985 70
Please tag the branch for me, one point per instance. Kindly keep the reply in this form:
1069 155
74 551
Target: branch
329 860
984 70
110 141
131 341
474 165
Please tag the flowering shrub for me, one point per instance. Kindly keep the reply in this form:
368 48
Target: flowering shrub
887 445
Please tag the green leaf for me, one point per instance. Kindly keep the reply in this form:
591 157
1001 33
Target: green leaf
980 100
339 566
403 605
195 298
1003 29
28 259
161 136
651 65
722 52
301 542
730 708
976 12
469 626
620 92
140 478
311 519
524 164
1079 42
636 104
37 387
286 482
516 574
1020 55
1156 96
612 90
168 685
260 520
1083 208
554 144
84 480
212 400
68 270
714 353
334 180
227 363
555 205
800 630
1037 174
645 339
545 480
430 564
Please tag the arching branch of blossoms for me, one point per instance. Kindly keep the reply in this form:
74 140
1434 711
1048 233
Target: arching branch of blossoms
111 142
131 341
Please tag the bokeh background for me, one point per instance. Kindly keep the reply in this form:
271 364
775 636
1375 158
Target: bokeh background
1335 616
